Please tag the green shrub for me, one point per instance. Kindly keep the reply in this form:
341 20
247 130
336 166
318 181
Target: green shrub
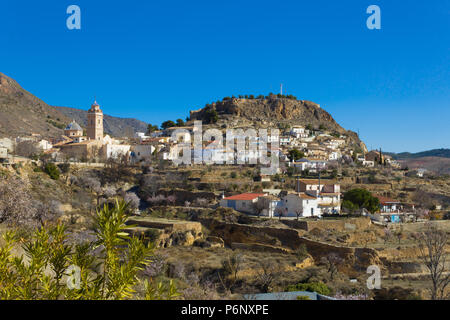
121 260
319 287
303 298
52 171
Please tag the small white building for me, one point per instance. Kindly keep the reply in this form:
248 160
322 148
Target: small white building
367 163
44 145
3 153
299 132
141 152
310 164
300 204
116 151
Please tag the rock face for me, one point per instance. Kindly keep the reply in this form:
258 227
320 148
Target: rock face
271 112
272 239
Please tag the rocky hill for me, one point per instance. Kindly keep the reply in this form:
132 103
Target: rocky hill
21 113
114 126
270 112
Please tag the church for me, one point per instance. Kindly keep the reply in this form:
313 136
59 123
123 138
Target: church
94 145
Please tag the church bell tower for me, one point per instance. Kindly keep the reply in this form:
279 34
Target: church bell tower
95 122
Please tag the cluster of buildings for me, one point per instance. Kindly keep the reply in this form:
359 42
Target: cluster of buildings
77 144
311 198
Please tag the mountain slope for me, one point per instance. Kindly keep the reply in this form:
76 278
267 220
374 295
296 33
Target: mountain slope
443 153
439 165
114 126
21 113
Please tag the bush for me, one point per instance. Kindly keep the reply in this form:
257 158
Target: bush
319 287
52 171
233 175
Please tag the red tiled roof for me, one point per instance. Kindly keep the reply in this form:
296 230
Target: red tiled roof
385 200
245 196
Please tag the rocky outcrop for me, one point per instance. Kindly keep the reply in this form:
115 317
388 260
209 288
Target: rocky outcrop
165 233
270 112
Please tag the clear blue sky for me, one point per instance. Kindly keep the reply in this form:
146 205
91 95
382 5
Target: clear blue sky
156 60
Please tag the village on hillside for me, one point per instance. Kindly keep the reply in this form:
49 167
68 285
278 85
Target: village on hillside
225 229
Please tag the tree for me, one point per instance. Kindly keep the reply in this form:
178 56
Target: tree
151 128
432 243
132 200
26 149
168 124
266 275
46 211
16 203
299 212
349 206
180 122
259 207
332 261
279 211
295 154
230 269
363 199
211 116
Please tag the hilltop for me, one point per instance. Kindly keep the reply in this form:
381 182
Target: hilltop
21 113
272 111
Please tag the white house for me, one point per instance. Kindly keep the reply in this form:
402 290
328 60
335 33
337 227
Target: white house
7 143
142 152
269 203
299 132
141 136
300 203
285 140
116 151
44 145
327 192
334 155
368 163
310 164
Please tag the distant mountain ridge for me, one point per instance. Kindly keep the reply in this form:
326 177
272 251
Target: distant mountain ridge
443 153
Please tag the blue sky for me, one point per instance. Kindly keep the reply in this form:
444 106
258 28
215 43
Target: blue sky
156 60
